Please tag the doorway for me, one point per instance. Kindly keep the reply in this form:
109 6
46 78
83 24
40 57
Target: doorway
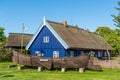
55 54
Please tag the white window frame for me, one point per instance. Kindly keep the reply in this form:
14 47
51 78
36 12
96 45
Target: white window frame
99 54
46 39
105 54
55 54
72 54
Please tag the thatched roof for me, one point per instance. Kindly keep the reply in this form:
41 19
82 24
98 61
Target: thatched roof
77 38
14 40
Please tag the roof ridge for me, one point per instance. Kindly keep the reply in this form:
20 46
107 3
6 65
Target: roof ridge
71 26
21 33
62 24
54 22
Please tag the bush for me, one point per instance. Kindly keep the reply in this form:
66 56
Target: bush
5 55
26 52
95 58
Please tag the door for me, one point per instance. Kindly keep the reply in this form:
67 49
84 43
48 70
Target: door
55 54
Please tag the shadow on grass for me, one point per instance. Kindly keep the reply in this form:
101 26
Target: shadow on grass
9 75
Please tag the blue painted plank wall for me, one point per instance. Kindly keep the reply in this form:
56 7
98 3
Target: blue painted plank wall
79 52
47 48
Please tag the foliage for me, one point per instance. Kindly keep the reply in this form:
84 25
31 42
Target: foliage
2 36
117 17
117 20
110 36
117 24
26 52
33 74
95 58
114 58
5 54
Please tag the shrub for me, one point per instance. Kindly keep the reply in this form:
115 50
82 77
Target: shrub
26 52
95 58
5 55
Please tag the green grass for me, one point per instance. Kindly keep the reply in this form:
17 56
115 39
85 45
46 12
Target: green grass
33 74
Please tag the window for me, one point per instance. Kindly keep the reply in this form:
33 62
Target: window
105 54
37 53
82 52
71 53
55 54
46 39
99 54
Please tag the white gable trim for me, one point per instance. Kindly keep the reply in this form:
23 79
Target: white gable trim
53 32
58 37
33 38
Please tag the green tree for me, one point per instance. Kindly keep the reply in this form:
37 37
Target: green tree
5 55
2 36
110 36
117 19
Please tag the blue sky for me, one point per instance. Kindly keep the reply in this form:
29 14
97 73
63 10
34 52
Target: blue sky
88 14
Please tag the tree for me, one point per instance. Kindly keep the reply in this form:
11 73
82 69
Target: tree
117 19
110 36
2 36
5 55
117 24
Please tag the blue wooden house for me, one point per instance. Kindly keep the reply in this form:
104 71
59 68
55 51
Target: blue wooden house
57 40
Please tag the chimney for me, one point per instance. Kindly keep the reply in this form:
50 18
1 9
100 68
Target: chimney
64 23
87 30
76 26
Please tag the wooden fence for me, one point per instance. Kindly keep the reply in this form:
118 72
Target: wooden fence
113 64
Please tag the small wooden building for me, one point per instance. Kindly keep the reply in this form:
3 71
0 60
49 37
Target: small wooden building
57 40
14 40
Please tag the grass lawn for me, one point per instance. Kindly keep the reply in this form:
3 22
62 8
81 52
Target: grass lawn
33 74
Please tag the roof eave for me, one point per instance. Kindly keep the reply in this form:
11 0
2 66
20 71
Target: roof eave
77 48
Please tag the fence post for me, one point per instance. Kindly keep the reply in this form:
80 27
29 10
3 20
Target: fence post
81 70
62 69
40 68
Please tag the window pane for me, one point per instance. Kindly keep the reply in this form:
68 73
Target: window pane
71 53
46 39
